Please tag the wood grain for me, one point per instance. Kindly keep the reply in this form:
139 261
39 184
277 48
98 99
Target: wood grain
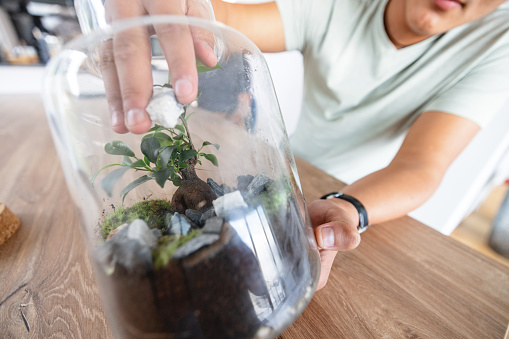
47 288
404 281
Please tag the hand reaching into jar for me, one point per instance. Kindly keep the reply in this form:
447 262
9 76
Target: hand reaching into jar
125 60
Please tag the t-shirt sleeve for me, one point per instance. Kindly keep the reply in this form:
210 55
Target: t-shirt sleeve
480 94
304 21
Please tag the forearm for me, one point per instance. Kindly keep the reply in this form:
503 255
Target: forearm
431 145
394 191
261 23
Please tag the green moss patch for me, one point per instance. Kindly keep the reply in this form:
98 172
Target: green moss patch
168 244
153 212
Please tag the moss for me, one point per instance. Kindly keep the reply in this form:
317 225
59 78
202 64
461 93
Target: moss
275 197
153 212
167 246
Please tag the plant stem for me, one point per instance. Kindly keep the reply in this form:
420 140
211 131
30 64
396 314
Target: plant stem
184 123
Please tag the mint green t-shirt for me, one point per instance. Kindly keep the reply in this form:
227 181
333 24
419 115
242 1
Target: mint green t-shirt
361 93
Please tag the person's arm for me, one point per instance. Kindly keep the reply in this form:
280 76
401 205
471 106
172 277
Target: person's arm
434 140
127 56
261 23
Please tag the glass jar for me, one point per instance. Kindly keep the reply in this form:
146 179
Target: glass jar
194 230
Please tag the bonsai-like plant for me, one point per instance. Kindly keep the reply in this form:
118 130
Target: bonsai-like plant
169 155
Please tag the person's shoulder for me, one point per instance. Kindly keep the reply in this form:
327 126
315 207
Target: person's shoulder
495 24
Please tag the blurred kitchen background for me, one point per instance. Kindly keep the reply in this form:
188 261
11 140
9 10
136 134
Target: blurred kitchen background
32 31
465 206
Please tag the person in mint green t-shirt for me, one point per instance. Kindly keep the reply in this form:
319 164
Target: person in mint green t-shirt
394 91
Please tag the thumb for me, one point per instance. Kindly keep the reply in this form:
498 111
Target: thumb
335 224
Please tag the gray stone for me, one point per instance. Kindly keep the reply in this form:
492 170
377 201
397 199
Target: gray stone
213 225
179 225
243 181
195 216
195 244
138 230
130 248
228 202
258 185
218 190
211 212
157 233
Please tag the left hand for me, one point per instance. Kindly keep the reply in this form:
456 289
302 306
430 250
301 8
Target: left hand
335 224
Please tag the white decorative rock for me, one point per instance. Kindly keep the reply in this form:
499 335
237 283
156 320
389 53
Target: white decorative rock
163 108
228 202
139 231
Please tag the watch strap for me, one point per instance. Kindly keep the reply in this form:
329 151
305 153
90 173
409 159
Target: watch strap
363 214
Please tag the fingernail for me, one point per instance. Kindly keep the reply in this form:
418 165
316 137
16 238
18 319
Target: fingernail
328 237
183 88
135 116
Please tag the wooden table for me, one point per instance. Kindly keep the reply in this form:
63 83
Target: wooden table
405 280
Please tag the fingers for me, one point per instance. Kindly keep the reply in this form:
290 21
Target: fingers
126 63
126 68
133 62
110 78
203 39
178 47
326 261
335 224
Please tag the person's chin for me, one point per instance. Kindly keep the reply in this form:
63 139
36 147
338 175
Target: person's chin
426 25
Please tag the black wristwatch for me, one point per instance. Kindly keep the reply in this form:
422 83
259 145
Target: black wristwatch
363 215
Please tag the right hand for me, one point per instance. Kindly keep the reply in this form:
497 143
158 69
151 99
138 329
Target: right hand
125 60
335 224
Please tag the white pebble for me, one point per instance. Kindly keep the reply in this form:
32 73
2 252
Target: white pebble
163 108
228 202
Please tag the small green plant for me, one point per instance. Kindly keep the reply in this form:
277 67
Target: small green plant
169 154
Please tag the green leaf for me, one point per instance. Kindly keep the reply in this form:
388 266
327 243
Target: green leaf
162 137
147 136
118 147
127 161
157 128
163 175
201 68
180 128
165 156
105 167
175 179
150 148
207 143
139 163
212 158
188 154
133 185
188 116
111 179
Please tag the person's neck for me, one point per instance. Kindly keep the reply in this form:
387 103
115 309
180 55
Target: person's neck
396 26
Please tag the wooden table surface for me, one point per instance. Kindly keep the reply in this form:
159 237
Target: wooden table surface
405 280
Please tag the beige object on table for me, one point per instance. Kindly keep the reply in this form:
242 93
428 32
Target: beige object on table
9 223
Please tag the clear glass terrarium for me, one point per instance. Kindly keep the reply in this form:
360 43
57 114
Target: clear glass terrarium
198 230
